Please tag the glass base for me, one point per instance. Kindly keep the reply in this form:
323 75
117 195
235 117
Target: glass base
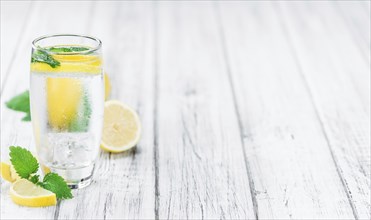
76 178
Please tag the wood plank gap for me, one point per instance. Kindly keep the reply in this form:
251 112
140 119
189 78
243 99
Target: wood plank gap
15 52
155 108
316 108
236 107
57 208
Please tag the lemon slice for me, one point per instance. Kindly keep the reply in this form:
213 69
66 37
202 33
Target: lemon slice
25 193
107 86
63 98
8 172
121 127
71 64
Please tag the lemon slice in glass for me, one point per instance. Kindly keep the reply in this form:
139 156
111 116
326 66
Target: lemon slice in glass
121 127
63 98
71 64
107 86
25 193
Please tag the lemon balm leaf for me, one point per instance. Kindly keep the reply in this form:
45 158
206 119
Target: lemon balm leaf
26 165
67 49
27 117
23 161
34 179
81 124
40 56
56 184
21 103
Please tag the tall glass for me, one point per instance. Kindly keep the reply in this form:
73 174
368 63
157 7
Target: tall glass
67 104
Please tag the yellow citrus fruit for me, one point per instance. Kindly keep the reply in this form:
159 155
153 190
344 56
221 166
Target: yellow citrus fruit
8 172
25 193
45 169
71 63
64 95
121 127
107 86
63 100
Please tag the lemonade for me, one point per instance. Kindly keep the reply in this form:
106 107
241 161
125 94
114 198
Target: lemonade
67 104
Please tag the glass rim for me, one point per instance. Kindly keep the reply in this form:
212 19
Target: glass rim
90 50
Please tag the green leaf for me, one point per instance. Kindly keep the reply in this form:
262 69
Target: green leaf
27 117
55 183
41 56
67 49
26 165
34 179
81 124
23 161
21 103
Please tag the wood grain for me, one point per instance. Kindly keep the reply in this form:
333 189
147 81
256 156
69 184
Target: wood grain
13 130
341 94
250 110
123 186
17 15
283 140
356 17
201 167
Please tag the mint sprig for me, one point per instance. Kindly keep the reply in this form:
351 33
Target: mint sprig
21 103
23 162
55 183
40 56
67 49
26 166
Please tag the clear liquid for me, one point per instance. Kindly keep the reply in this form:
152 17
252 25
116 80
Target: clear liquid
67 116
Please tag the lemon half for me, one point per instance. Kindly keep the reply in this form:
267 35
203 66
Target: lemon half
121 127
25 193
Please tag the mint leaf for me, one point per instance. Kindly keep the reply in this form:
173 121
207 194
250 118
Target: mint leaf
81 124
40 56
27 117
21 103
26 165
23 161
67 49
55 183
34 179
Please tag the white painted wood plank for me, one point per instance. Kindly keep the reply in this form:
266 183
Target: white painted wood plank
123 186
339 80
201 168
366 5
44 20
200 158
357 20
14 17
291 165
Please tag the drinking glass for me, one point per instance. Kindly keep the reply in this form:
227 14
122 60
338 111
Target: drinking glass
67 104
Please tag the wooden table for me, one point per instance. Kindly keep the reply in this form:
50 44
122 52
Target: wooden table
249 109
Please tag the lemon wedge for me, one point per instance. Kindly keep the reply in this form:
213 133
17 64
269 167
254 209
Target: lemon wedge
25 193
121 127
8 172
